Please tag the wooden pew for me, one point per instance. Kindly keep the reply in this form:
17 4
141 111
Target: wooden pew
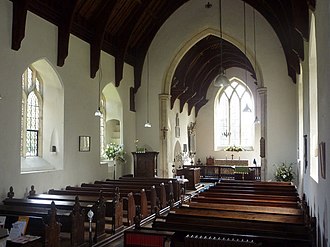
166 195
269 183
244 195
71 221
270 234
245 208
255 190
240 215
50 231
260 184
177 187
255 202
160 191
128 203
139 195
98 209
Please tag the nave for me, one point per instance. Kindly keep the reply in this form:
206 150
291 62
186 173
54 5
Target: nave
137 211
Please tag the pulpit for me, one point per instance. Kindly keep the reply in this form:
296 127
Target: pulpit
145 164
192 174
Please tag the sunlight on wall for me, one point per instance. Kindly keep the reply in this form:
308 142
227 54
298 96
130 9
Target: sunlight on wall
313 109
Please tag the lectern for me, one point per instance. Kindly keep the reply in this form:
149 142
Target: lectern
145 164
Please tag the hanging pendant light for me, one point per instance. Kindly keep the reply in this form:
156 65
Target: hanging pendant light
246 108
98 112
256 120
147 124
221 79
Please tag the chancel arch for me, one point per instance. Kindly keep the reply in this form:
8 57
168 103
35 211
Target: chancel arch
197 100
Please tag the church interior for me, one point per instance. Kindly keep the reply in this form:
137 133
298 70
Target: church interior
154 105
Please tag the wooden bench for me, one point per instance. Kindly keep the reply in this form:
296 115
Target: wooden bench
177 187
240 215
50 232
255 190
245 208
113 211
244 195
268 233
161 201
125 203
98 209
240 201
140 195
168 187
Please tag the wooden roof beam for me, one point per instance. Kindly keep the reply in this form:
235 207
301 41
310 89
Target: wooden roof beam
98 36
20 8
301 17
64 29
123 44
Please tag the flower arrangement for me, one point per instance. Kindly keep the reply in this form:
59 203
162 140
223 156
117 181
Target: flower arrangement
234 149
284 173
115 151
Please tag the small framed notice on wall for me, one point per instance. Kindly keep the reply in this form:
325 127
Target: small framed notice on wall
84 143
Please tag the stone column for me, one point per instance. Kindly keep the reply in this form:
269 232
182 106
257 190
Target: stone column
164 105
262 91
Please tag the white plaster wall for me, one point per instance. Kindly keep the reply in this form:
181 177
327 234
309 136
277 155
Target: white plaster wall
318 195
80 103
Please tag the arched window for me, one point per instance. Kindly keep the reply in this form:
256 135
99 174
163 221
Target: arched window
42 129
233 116
31 128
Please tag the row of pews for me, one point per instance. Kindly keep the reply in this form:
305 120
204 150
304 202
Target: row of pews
241 213
114 205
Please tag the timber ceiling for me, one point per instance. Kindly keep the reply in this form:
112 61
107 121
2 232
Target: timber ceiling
125 29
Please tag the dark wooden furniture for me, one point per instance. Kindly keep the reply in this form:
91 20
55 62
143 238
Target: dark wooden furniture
176 185
145 164
192 174
216 172
146 237
267 217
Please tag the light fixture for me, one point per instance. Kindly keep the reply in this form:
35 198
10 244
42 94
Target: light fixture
98 112
256 120
147 124
221 79
226 133
246 108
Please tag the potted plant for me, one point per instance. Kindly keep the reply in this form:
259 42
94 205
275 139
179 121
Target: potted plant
284 172
115 152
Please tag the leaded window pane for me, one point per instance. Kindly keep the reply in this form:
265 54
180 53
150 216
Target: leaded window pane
232 125
30 120
30 78
31 143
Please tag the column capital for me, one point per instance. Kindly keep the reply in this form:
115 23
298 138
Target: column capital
262 90
164 96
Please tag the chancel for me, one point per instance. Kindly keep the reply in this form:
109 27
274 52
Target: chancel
187 150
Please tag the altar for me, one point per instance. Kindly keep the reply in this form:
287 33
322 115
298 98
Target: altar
231 162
